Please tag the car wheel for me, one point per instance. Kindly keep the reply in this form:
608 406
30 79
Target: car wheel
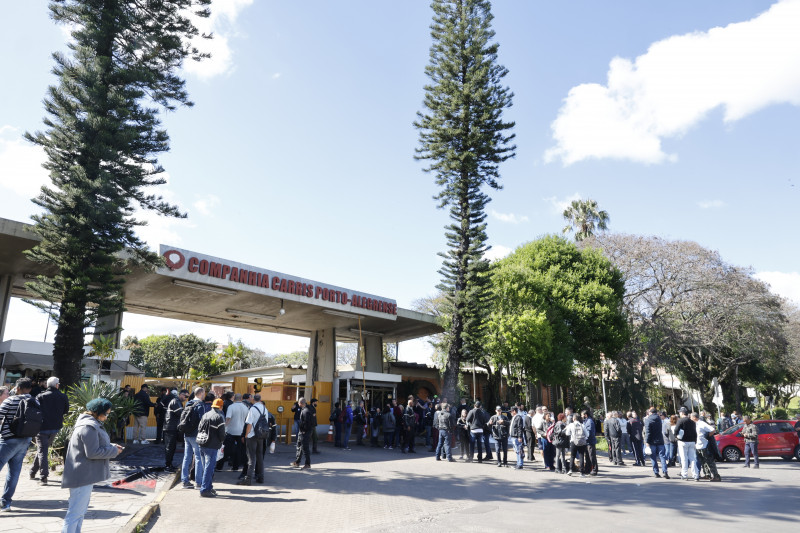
732 454
797 453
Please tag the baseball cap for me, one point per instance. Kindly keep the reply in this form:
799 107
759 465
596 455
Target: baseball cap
218 403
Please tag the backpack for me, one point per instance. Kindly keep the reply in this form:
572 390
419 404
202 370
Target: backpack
578 432
202 434
557 436
27 421
261 428
549 433
342 416
189 421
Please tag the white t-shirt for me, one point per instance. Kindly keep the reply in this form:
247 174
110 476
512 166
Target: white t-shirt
253 415
237 413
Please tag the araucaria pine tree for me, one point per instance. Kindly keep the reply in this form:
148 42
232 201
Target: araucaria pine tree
102 138
464 138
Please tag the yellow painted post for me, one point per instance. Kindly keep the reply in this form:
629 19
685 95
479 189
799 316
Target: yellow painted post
240 385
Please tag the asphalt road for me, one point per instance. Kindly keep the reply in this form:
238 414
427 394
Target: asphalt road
376 490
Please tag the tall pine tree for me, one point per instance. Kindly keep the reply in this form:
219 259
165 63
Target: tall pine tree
464 138
103 134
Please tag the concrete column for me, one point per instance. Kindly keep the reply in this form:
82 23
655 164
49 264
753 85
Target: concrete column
373 354
109 325
5 302
320 372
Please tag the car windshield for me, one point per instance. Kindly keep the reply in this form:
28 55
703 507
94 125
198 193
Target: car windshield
733 429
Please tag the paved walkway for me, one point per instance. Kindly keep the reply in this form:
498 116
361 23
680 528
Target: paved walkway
376 490
41 509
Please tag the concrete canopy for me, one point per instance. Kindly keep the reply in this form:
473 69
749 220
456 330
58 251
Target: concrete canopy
157 294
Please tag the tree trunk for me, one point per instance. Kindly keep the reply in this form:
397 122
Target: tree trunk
68 345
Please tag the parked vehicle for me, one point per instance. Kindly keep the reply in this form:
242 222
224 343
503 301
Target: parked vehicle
776 438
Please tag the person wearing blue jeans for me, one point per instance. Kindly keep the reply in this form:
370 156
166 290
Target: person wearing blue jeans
191 449
653 436
12 450
348 426
444 423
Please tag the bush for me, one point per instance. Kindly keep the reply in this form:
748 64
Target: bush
79 395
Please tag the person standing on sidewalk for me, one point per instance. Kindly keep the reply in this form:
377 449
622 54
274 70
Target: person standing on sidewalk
591 440
296 410
12 448
530 434
686 433
705 453
172 416
444 424
347 424
234 426
190 420
654 439
55 405
210 438
161 412
750 434
254 443
410 424
517 432
360 420
304 428
141 412
499 425
87 461
314 436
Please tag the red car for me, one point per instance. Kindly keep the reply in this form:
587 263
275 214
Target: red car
776 438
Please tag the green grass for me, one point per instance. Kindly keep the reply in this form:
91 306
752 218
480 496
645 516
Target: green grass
602 445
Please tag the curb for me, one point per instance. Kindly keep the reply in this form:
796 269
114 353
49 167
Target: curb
140 519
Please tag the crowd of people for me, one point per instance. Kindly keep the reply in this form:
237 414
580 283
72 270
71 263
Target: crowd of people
238 430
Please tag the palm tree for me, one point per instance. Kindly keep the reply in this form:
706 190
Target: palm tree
583 218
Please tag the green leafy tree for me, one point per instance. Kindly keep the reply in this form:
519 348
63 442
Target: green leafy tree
172 355
584 218
464 139
103 134
555 305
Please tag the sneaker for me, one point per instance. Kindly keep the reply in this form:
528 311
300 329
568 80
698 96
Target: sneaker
135 441
658 475
716 479
684 478
5 508
756 466
569 474
144 442
208 494
305 467
244 481
188 485
438 458
451 460
33 477
666 476
295 463
390 447
583 475
43 481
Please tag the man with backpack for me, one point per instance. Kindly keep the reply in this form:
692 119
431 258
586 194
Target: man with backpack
256 433
54 406
577 446
444 423
210 438
20 420
189 422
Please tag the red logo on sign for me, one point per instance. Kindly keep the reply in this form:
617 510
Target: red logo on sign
174 259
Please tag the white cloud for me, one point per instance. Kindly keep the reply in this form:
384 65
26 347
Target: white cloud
711 204
559 205
509 217
742 67
21 164
206 204
276 75
222 23
786 284
497 251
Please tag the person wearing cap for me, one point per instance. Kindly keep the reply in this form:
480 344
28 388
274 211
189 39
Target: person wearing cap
686 434
87 460
210 438
55 405
499 425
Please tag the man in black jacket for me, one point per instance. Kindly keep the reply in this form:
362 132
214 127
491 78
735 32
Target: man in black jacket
305 426
654 437
476 419
140 413
314 437
161 411
54 406
530 433
210 437
172 416
686 433
612 432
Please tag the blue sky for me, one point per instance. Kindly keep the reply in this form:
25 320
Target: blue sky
679 118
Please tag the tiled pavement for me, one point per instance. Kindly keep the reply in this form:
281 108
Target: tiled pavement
41 509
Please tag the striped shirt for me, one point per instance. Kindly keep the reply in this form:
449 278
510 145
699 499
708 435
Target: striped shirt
7 411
